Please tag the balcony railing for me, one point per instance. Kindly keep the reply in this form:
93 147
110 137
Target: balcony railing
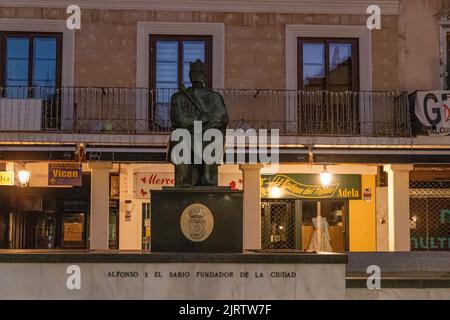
146 111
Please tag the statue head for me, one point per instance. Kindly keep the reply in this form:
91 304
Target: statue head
197 73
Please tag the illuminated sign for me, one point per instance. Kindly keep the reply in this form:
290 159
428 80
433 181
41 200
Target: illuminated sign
65 174
6 178
308 186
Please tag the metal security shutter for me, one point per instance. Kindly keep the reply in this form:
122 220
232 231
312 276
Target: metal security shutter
430 215
278 224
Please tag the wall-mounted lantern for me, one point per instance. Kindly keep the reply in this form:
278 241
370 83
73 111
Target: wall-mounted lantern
325 177
24 177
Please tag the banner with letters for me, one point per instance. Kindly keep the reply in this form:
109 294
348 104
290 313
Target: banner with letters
65 174
433 111
6 178
308 186
146 181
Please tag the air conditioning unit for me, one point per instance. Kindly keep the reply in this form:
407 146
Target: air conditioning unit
20 114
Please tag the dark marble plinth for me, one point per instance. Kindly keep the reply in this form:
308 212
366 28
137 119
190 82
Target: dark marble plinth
224 205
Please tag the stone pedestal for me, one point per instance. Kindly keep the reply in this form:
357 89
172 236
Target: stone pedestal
200 219
175 276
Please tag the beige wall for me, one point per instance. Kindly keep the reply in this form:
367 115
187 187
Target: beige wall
405 50
255 48
419 45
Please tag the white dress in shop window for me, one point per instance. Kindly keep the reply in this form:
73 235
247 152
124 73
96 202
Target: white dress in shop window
326 244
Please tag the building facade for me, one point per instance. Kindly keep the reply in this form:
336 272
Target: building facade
85 110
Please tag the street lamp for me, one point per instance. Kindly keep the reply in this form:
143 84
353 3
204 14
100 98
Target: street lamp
325 177
275 192
24 177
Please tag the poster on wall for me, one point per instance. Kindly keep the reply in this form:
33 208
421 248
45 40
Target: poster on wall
308 186
73 232
65 174
433 111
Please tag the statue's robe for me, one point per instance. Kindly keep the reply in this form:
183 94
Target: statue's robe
211 111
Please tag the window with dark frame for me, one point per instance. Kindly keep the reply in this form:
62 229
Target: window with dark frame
170 56
329 64
31 64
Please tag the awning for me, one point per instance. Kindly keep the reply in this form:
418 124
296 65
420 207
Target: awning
368 156
125 154
287 155
26 152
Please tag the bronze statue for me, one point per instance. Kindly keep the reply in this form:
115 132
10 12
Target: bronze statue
197 103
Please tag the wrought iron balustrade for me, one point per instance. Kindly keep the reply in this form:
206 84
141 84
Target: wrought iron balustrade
147 111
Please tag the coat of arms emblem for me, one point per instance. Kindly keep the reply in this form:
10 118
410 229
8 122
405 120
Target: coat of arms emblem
197 222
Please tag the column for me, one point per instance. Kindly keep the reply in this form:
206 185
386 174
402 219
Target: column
99 205
251 174
398 207
130 230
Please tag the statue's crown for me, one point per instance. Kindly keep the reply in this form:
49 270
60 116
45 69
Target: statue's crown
198 65
197 213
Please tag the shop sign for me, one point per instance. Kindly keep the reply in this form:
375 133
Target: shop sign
146 181
6 178
65 174
433 111
308 186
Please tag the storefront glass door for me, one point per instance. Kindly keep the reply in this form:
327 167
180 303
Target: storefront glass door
279 223
292 224
34 230
334 225
45 218
113 224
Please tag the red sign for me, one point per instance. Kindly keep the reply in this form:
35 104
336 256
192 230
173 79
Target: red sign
146 181
152 181
367 194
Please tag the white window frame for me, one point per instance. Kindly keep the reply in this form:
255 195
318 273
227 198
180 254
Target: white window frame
43 25
68 55
362 33
145 29
364 36
216 30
